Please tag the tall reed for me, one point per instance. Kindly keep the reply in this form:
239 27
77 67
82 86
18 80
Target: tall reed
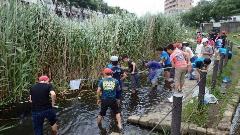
35 41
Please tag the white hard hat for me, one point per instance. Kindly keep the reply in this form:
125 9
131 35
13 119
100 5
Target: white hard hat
114 58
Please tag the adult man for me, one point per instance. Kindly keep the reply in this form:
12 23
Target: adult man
165 61
207 51
107 97
41 106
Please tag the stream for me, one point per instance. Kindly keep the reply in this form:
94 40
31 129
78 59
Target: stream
78 116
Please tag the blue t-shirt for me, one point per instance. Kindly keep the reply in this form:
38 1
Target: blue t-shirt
198 63
222 51
218 43
166 57
109 87
154 65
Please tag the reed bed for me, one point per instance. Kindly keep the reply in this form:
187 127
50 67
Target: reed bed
35 41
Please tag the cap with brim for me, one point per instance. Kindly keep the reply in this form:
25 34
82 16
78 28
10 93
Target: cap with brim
43 78
107 71
114 58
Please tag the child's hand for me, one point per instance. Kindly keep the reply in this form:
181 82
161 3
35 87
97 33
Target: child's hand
132 73
99 102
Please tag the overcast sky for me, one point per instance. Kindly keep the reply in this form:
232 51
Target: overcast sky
140 7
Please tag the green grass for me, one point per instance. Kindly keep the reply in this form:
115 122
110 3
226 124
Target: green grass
191 113
234 37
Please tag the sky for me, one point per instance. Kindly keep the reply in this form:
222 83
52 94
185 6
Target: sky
140 7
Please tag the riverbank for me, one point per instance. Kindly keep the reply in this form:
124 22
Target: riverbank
212 118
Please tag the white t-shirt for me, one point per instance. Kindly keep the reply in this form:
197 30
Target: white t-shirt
189 50
199 49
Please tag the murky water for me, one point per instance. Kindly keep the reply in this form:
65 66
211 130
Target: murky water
78 116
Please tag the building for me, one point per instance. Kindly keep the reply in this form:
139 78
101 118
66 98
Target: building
177 6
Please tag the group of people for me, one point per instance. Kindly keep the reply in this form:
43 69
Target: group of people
178 57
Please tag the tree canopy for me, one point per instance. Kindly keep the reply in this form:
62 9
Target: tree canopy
96 5
207 10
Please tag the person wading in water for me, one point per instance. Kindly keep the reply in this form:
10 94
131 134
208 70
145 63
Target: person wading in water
42 107
107 97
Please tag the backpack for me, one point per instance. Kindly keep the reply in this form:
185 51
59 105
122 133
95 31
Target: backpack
117 72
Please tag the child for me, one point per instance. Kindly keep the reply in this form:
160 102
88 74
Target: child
201 64
165 61
107 97
118 73
155 71
132 69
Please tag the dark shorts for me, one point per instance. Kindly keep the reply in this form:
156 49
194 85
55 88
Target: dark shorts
112 104
167 67
38 120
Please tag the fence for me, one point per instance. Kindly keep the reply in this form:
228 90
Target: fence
225 26
178 98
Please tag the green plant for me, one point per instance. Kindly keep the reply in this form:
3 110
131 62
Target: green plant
34 41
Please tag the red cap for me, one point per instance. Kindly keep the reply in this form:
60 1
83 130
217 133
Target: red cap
107 71
43 78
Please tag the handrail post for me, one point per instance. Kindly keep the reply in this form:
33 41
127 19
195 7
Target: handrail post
176 114
215 72
202 84
221 63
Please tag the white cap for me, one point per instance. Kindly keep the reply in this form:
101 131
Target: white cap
204 40
114 58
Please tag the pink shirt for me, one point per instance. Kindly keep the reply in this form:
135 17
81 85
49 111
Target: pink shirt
177 57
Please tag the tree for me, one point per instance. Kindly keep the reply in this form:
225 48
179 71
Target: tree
207 10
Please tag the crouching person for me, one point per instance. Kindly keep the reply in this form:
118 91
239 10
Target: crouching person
42 107
107 97
201 64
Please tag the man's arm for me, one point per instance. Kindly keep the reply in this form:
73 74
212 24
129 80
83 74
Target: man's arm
124 75
186 55
134 67
30 99
53 97
98 95
163 59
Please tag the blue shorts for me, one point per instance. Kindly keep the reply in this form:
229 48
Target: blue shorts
38 120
